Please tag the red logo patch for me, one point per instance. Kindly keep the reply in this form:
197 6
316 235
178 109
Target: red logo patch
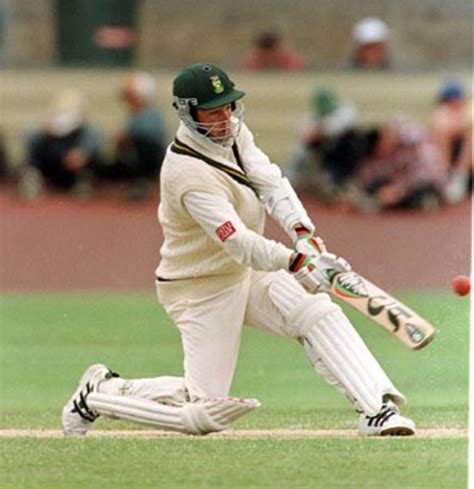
223 232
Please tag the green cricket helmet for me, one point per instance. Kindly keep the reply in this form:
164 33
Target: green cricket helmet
205 86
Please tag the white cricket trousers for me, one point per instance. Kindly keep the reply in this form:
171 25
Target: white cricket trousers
211 329
275 302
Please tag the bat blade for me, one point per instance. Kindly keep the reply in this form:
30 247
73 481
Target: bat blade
395 317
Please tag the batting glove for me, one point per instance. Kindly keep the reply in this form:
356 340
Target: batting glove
316 273
306 243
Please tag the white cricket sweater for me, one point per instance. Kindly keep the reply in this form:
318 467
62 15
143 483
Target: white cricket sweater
212 224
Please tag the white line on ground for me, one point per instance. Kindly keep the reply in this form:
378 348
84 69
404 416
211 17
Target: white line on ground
230 434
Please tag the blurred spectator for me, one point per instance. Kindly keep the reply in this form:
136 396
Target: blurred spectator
141 146
371 38
269 54
403 169
64 152
330 148
452 131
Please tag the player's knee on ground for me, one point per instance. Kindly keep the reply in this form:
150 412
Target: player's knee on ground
197 418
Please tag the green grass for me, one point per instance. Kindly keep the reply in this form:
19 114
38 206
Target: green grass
48 340
173 464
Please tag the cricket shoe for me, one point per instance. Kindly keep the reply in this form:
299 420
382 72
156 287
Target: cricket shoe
77 417
388 422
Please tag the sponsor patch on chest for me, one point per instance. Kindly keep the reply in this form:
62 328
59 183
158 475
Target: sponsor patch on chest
225 230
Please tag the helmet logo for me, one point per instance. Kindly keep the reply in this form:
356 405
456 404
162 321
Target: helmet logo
217 84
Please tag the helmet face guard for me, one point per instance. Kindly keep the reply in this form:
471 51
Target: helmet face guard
229 128
206 87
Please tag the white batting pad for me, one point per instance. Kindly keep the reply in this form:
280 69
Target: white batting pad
347 357
216 414
333 346
196 418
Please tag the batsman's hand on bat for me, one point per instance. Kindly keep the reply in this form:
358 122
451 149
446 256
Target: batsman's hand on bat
315 273
306 243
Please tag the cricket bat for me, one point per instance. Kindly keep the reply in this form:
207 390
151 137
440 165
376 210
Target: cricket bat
373 302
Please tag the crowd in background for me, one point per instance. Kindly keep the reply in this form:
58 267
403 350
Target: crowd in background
371 50
397 164
66 152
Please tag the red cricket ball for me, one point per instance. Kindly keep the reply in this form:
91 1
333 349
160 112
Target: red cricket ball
461 284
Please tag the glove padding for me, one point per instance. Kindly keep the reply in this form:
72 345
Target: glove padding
315 273
306 243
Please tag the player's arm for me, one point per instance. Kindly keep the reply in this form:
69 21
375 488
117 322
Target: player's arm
216 215
220 221
280 199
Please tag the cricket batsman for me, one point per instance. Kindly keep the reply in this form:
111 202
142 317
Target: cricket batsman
218 272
